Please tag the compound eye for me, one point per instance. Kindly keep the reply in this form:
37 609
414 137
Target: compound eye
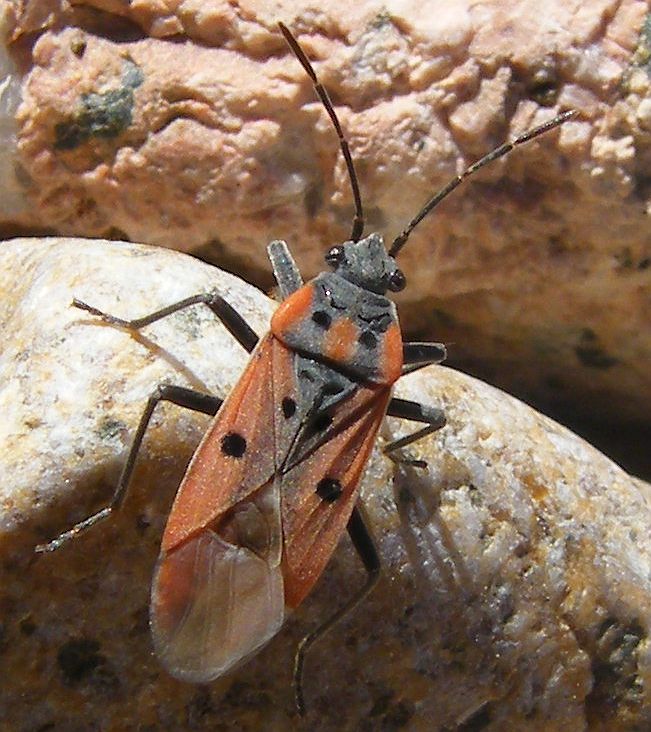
334 256
397 281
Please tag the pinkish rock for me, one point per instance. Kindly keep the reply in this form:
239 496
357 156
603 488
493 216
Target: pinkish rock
190 125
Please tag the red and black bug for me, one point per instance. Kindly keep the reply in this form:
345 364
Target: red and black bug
275 481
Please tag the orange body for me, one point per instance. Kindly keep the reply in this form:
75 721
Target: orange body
256 510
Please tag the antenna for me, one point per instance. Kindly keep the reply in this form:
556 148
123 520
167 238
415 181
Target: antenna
498 152
358 220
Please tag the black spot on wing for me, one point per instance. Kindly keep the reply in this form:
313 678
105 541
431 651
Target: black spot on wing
288 407
329 489
233 445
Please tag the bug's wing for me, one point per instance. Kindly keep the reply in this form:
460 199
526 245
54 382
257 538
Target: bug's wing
312 526
218 594
215 481
216 602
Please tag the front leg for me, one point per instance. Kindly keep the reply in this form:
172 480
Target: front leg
230 318
417 355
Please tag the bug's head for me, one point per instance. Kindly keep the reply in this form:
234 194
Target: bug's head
367 264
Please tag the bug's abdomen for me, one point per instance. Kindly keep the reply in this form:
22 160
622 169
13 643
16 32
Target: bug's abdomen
334 321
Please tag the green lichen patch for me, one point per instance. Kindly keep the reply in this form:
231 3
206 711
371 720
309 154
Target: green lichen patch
110 428
381 20
103 115
642 55
617 681
544 86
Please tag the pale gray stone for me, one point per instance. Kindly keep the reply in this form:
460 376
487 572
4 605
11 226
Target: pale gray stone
517 567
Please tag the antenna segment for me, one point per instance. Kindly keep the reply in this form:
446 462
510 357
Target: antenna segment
498 152
358 220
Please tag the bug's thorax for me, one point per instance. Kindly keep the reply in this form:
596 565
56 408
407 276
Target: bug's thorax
343 317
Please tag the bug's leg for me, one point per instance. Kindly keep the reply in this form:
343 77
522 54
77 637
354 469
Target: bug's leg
230 318
433 417
418 355
362 539
284 268
188 398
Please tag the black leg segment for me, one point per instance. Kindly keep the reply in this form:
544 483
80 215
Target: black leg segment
188 398
433 417
418 355
231 319
362 539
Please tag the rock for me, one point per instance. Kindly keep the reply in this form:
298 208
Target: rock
517 567
191 126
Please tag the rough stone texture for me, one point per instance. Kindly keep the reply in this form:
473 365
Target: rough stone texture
517 579
188 124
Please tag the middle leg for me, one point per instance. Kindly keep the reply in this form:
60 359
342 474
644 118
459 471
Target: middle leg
433 417
180 395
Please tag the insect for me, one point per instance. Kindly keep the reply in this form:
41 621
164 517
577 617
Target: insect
275 481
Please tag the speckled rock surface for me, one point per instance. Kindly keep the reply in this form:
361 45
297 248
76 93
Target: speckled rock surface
517 580
189 125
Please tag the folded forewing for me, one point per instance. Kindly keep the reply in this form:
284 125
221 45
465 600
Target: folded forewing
312 525
235 457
